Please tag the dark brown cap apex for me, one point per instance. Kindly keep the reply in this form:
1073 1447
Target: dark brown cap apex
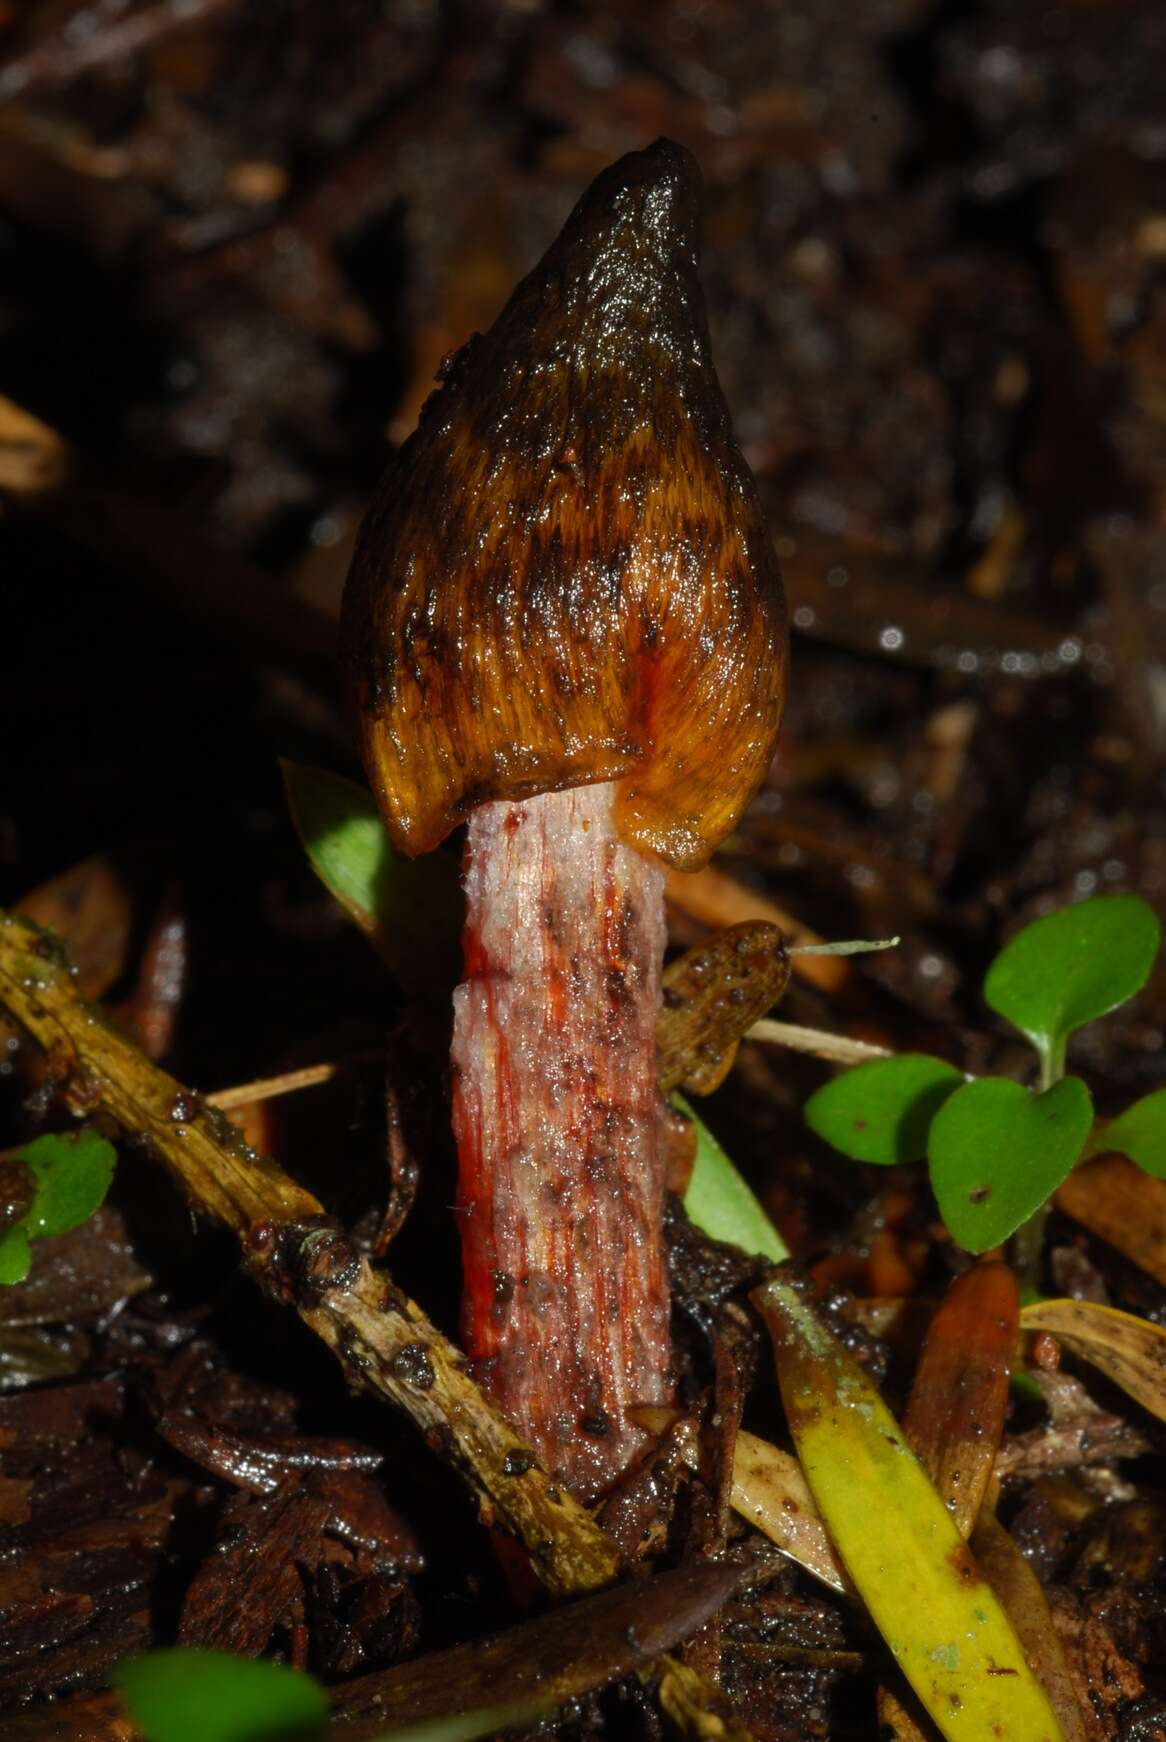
565 576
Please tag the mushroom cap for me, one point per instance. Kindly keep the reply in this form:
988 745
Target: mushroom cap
565 576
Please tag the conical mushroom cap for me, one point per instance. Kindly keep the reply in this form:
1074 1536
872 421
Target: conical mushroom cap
565 576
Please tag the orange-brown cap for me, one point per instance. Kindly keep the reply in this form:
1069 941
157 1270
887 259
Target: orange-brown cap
565 576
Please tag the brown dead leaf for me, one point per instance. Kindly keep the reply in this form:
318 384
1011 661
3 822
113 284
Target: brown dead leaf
1128 1350
712 995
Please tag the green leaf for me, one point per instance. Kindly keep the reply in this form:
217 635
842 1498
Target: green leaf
998 1152
64 1179
15 1254
73 1173
882 1111
339 825
897 1540
720 1201
1072 967
188 1695
410 909
1139 1133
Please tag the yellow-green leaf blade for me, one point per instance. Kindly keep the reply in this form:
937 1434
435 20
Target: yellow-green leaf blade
897 1540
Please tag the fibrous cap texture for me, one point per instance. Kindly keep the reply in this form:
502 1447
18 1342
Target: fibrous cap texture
565 576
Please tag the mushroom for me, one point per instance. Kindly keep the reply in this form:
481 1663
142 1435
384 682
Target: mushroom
564 626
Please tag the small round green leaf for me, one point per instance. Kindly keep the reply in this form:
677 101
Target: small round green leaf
998 1152
189 1695
1072 967
73 1174
882 1111
1139 1133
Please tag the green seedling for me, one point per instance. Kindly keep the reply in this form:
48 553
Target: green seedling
191 1695
188 1694
46 1188
997 1151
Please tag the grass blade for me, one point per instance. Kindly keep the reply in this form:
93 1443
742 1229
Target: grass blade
720 1201
897 1540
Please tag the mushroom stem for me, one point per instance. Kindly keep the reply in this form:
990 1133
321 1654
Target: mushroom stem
557 1115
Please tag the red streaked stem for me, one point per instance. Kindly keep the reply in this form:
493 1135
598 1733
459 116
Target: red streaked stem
557 1116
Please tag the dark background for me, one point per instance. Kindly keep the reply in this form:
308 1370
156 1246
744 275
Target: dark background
236 239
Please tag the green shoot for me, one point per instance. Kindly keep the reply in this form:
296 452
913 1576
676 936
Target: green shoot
996 1150
721 1203
190 1695
1071 967
409 909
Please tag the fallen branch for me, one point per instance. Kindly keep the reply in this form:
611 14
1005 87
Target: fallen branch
301 1256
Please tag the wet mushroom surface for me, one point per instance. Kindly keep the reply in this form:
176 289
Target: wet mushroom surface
245 254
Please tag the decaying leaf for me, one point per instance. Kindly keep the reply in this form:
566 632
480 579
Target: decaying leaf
712 994
91 908
685 1698
954 1421
1129 1350
537 1666
83 1274
955 1415
1120 1204
770 1492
